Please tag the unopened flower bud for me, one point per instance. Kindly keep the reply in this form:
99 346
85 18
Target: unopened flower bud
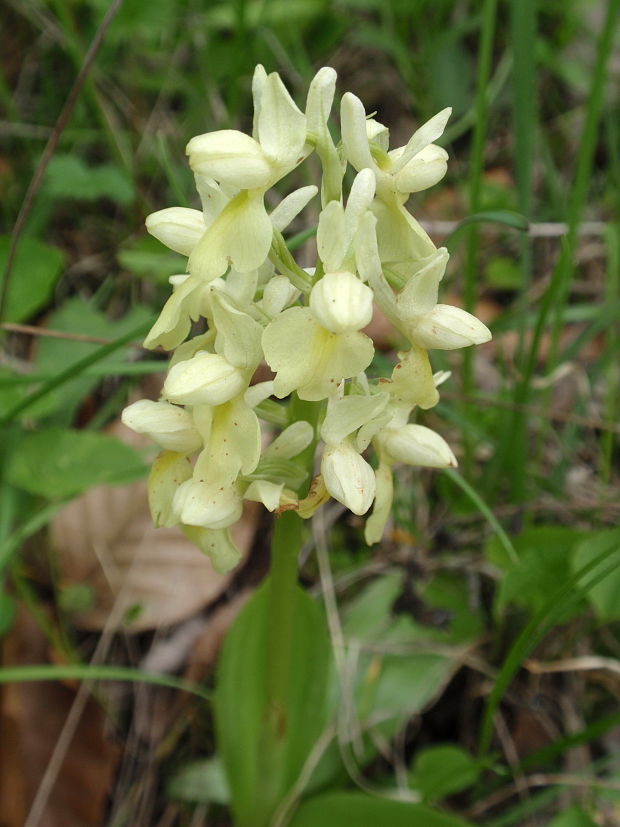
178 228
341 302
348 477
231 157
169 426
207 504
206 378
447 328
417 445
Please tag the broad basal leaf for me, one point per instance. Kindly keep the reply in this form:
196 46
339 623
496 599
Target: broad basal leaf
57 463
259 771
35 271
361 810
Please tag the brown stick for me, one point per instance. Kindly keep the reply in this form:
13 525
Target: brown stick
31 330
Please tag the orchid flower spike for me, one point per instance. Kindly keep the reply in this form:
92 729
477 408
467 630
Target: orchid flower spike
227 433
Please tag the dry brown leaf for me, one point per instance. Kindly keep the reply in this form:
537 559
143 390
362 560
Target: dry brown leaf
32 716
105 539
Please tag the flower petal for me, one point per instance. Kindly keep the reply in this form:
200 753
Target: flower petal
375 524
400 237
330 236
412 381
354 135
212 197
281 126
425 170
168 472
290 207
291 442
241 235
265 492
208 504
422 137
360 198
174 321
419 296
318 106
238 336
310 359
216 544
277 294
344 416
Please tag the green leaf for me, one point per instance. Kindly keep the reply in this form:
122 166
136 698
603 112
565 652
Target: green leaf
240 705
573 817
338 809
544 563
443 770
7 612
35 271
68 176
450 73
390 687
58 463
604 597
508 218
12 388
76 597
200 782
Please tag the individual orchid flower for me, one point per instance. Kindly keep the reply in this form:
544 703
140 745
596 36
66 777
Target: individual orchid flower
414 309
181 229
313 348
309 358
170 426
241 235
349 425
398 173
401 442
411 168
212 497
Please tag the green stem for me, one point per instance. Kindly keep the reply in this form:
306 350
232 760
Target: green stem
285 546
288 536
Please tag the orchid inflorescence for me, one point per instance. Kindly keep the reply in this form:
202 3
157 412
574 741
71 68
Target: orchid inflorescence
306 324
